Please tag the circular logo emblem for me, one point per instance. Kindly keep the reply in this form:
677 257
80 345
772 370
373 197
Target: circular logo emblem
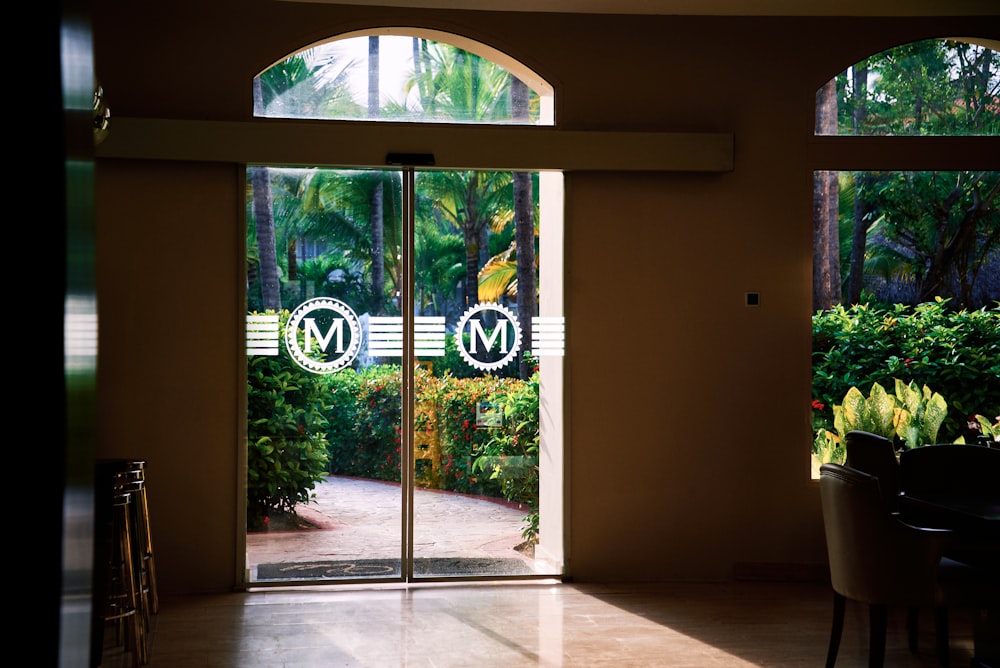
494 336
323 335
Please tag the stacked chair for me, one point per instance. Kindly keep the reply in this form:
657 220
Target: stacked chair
125 593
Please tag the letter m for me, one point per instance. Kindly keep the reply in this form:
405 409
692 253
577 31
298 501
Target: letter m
324 341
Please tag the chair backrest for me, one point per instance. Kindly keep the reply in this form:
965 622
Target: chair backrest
875 455
873 556
948 468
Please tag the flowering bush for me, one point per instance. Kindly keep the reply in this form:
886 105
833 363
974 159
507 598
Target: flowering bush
366 414
366 411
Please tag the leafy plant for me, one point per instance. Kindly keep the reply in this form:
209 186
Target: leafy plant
910 417
920 414
987 431
286 435
511 455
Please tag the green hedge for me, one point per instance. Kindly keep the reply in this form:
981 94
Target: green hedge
366 412
954 353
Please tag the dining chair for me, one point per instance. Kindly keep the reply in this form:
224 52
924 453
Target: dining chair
875 455
962 485
879 560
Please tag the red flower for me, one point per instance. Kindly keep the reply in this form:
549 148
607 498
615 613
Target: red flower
817 405
907 361
465 425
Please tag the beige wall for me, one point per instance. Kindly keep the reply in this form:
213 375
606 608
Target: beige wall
688 438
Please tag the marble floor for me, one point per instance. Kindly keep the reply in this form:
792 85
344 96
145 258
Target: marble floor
537 623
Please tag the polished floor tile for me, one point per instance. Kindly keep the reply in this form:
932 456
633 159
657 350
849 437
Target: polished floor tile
540 623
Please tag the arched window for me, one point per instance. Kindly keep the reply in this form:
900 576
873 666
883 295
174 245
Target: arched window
404 75
906 261
933 87
405 322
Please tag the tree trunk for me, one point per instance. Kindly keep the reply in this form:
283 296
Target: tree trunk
292 255
826 237
270 287
524 231
821 244
378 247
859 237
373 77
377 219
472 233
263 211
833 220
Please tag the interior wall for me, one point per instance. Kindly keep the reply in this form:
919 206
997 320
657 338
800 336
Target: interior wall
168 366
688 430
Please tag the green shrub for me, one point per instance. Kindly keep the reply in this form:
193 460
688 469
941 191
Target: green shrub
955 352
343 390
510 456
286 435
365 414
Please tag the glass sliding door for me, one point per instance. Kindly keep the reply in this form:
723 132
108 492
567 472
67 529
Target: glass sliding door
476 384
391 443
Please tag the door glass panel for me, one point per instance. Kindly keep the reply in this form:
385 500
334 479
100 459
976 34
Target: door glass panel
324 413
374 469
476 393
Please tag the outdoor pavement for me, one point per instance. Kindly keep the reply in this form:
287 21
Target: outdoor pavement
362 519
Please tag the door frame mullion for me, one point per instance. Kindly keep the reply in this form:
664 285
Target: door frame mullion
406 309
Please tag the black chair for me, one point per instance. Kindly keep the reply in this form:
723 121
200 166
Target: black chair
877 559
955 486
875 455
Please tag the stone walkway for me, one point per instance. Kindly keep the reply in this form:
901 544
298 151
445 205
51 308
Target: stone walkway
362 519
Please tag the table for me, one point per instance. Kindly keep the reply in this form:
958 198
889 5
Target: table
974 516
962 512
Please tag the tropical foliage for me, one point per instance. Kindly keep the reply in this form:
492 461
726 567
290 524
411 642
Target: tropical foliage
911 416
871 346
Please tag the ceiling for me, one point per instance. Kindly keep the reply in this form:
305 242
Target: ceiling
707 7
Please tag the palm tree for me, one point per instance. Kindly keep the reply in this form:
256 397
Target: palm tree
266 253
307 84
524 225
339 204
459 86
438 267
310 84
263 215
470 202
